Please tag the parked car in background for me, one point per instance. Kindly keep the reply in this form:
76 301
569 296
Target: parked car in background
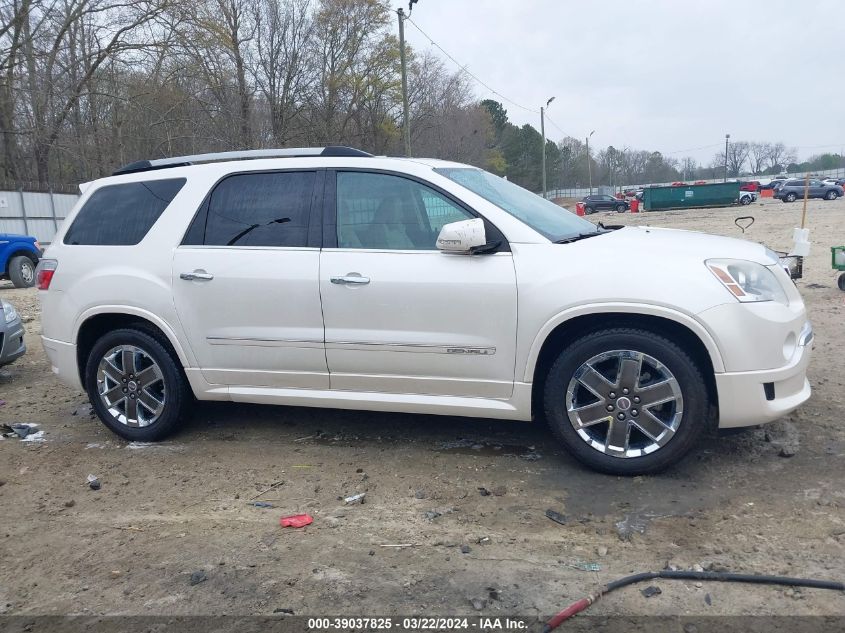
774 183
19 256
327 277
834 181
600 202
12 344
750 185
747 197
792 190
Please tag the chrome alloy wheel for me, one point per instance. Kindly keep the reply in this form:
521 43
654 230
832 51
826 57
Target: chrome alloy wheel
624 403
131 386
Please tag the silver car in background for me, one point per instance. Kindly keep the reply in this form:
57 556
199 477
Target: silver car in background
12 345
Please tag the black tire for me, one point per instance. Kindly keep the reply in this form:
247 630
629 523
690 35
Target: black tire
831 195
696 405
790 197
841 282
621 208
589 210
175 386
744 200
22 271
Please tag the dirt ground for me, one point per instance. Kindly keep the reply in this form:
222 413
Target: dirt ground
739 502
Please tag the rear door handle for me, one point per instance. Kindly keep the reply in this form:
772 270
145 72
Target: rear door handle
197 275
351 278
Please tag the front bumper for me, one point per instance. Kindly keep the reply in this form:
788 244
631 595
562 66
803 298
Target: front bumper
12 345
63 360
749 398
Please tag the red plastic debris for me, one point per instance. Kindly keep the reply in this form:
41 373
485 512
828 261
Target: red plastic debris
296 520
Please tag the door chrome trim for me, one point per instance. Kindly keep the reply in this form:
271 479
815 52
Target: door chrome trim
263 342
418 348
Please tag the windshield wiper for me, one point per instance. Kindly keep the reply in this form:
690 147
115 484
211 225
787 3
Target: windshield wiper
580 236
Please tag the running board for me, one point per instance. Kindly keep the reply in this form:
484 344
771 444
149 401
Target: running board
516 408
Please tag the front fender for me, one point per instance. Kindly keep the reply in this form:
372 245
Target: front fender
627 308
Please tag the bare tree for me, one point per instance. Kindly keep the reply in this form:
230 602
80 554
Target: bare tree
282 72
737 157
758 156
780 156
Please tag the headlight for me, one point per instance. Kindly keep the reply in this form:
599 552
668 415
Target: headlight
747 281
9 311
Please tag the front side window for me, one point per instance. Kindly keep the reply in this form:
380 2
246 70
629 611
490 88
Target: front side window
121 215
547 218
381 211
260 209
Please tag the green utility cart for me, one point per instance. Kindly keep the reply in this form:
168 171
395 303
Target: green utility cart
720 194
837 260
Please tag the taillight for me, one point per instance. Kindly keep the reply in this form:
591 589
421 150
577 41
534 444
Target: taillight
44 273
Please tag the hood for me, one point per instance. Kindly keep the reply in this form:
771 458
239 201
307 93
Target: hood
669 244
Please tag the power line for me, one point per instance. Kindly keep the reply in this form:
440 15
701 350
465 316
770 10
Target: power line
559 129
692 149
463 68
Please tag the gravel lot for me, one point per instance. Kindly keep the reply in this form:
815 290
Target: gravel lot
166 511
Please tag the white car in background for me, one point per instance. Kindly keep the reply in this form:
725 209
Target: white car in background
328 277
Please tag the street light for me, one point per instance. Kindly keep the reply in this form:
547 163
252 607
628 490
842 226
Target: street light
543 134
589 166
727 140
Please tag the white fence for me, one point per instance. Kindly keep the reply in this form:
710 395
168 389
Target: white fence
37 214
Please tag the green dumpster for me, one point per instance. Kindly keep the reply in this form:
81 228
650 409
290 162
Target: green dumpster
720 194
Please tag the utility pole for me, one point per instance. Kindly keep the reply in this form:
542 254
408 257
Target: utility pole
727 139
543 134
589 165
405 116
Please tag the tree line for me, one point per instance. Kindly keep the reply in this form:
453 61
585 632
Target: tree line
88 85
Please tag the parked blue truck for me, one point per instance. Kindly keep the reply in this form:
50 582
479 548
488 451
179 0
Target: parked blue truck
19 256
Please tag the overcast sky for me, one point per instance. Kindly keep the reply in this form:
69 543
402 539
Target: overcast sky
663 75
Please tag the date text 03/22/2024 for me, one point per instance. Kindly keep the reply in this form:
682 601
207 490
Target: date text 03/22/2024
418 623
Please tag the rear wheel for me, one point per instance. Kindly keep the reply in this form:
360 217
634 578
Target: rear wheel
22 271
841 281
744 200
831 195
626 401
136 385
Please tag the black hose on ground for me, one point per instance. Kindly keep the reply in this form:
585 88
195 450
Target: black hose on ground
717 576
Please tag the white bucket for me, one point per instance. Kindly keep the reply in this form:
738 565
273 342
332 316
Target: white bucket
801 237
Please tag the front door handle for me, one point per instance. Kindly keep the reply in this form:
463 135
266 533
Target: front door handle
351 278
197 275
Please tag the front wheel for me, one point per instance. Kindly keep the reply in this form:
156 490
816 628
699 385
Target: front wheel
790 197
136 385
831 195
626 401
745 200
621 208
589 210
22 271
841 281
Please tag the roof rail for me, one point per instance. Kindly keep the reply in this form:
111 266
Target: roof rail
292 152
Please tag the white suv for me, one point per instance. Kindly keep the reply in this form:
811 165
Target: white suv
329 277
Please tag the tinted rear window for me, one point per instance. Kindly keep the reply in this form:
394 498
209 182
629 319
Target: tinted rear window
257 209
121 215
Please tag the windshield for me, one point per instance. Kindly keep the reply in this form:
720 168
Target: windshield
547 218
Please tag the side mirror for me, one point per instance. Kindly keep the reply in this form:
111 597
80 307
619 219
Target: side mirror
462 237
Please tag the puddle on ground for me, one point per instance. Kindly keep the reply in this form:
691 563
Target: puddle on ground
487 449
